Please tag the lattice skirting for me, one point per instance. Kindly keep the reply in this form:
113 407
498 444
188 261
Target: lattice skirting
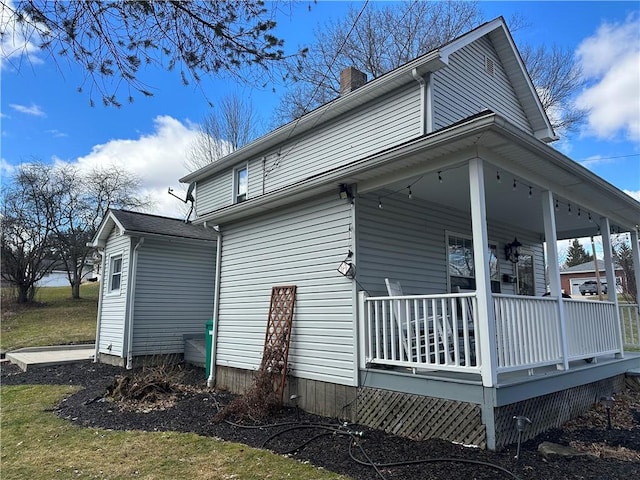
552 410
419 417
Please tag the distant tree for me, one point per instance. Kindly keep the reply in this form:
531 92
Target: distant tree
379 39
232 125
84 199
623 256
577 255
27 229
115 40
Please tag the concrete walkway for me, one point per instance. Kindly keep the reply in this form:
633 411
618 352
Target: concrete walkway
52 355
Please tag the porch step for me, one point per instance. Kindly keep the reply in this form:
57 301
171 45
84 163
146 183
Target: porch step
195 351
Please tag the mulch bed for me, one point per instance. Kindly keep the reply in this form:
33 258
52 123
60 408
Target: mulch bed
326 442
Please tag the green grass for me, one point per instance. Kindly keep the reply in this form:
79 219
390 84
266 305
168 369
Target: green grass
55 319
37 444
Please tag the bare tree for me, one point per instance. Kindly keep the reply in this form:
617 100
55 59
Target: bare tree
231 126
380 39
84 199
623 256
375 41
115 40
27 228
557 78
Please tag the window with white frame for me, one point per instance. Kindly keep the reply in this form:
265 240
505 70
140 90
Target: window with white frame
240 184
525 280
461 269
115 273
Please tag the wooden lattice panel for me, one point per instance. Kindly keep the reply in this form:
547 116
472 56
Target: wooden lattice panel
419 417
552 410
275 357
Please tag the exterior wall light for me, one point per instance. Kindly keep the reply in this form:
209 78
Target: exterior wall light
512 250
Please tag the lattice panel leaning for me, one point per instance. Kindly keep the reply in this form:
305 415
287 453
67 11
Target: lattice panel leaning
275 356
419 417
552 410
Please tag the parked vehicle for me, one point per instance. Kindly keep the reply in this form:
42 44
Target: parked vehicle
591 286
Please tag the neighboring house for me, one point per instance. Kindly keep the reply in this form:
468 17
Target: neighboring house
424 176
59 277
157 288
572 277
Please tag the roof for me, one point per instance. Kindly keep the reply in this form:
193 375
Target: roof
587 267
429 62
144 225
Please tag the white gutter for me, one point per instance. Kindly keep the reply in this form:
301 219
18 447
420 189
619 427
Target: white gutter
98 322
132 295
211 381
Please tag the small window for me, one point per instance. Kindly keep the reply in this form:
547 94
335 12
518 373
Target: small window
240 185
525 280
115 273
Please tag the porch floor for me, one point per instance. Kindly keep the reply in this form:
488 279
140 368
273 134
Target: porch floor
510 387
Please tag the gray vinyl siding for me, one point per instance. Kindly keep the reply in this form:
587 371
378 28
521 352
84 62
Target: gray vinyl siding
300 246
173 294
464 88
391 120
114 305
406 241
214 192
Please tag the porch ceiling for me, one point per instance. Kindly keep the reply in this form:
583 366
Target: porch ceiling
532 165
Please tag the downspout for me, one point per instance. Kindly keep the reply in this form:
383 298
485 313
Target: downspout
426 113
211 381
132 296
98 322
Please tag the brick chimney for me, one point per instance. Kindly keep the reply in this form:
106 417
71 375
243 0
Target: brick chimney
350 79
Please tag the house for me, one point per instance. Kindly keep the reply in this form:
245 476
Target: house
572 277
435 179
157 288
59 277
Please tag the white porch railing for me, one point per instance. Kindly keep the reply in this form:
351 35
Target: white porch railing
428 332
630 323
440 332
527 332
592 329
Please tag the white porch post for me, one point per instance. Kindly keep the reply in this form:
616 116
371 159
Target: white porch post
551 237
610 274
486 318
635 251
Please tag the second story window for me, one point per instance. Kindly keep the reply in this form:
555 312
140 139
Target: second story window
240 185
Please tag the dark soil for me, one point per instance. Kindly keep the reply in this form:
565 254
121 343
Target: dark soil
613 454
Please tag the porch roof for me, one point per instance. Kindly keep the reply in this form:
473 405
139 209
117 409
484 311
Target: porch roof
491 137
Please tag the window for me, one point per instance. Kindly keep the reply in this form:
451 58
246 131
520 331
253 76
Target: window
240 185
115 273
524 275
460 261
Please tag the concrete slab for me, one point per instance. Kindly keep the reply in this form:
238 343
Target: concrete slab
50 355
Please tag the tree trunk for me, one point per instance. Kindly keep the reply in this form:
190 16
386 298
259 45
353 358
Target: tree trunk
23 294
75 290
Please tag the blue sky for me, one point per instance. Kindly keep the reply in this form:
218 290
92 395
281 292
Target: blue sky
43 117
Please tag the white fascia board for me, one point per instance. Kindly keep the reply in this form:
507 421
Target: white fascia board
108 222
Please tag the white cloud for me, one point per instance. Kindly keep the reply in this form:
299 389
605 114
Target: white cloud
57 133
6 169
16 44
32 109
610 60
157 159
633 194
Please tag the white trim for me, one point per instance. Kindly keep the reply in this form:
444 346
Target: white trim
112 292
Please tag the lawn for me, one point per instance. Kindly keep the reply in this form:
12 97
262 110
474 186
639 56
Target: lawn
55 319
37 444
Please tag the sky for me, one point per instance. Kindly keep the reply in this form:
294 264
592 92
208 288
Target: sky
44 118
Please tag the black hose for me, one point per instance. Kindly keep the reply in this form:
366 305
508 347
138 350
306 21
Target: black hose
333 430
429 460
